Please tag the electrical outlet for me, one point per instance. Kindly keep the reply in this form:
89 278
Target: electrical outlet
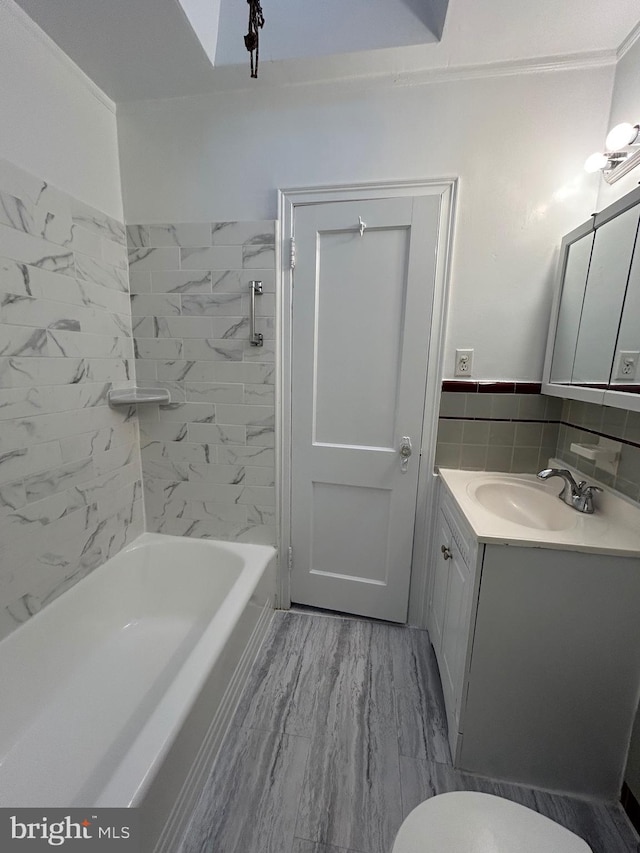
464 362
627 366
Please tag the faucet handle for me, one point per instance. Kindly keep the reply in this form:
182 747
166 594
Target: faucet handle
587 490
585 496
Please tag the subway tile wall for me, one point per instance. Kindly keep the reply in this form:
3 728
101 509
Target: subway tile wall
583 423
70 484
519 432
497 431
208 457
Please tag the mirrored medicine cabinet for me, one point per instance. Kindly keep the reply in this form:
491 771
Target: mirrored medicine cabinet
593 349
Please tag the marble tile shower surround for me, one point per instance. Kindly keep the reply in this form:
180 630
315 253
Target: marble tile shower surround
70 482
208 458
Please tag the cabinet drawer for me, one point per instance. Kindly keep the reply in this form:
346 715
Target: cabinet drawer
461 533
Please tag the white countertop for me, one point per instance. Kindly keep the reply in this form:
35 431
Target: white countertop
614 527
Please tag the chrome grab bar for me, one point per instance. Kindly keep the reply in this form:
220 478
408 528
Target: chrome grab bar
255 338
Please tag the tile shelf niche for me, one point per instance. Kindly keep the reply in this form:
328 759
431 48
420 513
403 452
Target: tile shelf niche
135 396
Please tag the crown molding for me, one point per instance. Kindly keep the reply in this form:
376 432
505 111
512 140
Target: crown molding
629 41
509 68
39 35
232 80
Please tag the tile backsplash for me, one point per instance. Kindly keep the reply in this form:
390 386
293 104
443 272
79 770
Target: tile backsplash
497 427
584 423
70 490
208 457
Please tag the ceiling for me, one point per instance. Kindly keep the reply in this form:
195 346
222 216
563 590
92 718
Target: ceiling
141 49
297 29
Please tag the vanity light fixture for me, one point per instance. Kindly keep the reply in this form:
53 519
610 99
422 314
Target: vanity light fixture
599 162
622 135
617 160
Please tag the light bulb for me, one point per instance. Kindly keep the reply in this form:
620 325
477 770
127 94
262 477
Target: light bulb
621 135
596 162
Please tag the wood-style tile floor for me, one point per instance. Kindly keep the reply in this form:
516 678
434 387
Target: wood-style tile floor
339 733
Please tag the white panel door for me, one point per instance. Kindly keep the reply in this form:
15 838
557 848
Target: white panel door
361 319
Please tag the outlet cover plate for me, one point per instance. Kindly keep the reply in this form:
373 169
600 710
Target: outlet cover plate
464 362
627 365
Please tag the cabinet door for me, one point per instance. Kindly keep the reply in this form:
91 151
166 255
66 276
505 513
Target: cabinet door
455 634
626 371
574 283
603 298
440 582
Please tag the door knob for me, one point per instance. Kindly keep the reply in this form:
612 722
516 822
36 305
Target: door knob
446 552
405 451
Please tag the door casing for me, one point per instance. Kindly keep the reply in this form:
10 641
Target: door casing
288 201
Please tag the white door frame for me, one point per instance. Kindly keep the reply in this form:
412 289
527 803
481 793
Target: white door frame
288 201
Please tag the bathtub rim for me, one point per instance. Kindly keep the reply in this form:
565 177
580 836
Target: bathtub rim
125 787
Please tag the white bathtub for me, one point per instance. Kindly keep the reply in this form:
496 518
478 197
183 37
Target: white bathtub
118 693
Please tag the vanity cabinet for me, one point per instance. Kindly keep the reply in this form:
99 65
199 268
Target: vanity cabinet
454 560
539 655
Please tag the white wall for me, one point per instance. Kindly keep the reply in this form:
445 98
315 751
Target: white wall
54 123
517 143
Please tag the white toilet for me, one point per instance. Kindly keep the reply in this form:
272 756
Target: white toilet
470 822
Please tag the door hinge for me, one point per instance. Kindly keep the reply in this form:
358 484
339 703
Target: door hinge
292 253
290 559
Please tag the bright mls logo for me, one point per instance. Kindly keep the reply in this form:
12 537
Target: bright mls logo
42 829
55 833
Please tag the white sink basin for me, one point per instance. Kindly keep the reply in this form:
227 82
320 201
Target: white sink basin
523 502
519 509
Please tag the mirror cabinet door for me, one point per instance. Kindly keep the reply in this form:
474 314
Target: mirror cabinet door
604 296
625 375
576 269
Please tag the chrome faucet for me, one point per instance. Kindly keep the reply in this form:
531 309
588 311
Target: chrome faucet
577 495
